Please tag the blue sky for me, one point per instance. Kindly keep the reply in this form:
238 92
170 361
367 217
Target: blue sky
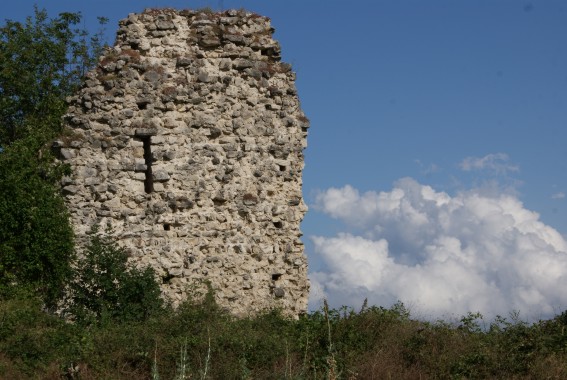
458 99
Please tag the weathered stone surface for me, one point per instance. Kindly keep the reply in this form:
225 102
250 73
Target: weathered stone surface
161 176
188 140
146 132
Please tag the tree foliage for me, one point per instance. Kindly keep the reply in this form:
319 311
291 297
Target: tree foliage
105 287
42 61
36 240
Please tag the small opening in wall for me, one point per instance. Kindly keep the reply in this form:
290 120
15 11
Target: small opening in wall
282 168
278 224
142 105
166 226
167 278
219 202
276 276
149 181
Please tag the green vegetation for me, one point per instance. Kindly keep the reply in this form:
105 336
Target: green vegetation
41 62
105 288
36 243
114 324
200 341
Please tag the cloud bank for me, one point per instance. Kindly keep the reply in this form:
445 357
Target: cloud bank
443 256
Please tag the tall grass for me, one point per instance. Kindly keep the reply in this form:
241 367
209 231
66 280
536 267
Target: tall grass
200 341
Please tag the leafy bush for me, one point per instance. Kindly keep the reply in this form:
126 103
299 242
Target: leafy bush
36 239
201 341
42 61
32 340
105 287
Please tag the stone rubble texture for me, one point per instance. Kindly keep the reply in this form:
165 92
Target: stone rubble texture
188 140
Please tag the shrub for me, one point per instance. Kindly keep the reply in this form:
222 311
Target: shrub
105 287
36 239
32 340
42 61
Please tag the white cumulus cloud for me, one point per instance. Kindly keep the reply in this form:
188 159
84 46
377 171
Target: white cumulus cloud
442 255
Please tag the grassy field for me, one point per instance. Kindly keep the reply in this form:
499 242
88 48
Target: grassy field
199 341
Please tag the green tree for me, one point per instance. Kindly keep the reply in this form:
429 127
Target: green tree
105 287
36 240
42 61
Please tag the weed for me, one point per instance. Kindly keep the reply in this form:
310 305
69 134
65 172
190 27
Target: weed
271 68
206 10
130 55
200 341
182 366
155 372
158 11
331 362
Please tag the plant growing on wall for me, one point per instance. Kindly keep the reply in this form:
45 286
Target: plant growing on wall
105 287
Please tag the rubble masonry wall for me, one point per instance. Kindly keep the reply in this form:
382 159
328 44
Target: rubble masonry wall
188 140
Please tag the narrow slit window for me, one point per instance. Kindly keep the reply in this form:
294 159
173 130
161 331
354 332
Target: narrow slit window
149 181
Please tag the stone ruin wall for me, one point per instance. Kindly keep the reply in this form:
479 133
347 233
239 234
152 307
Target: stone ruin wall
188 140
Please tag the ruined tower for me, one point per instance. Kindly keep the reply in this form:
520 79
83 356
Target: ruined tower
188 140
